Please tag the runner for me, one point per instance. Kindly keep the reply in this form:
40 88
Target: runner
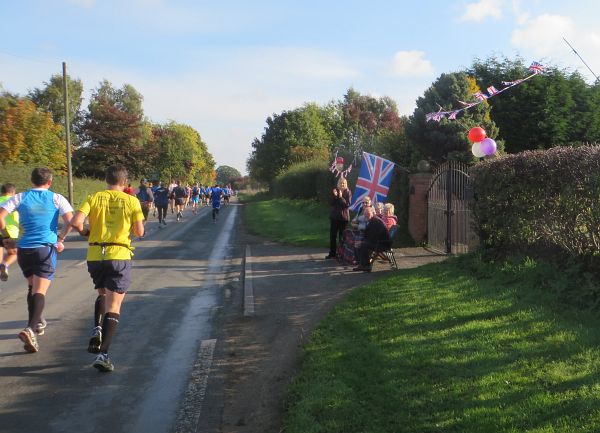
38 246
172 186
8 253
153 188
204 195
179 194
195 197
215 197
113 217
226 194
146 198
161 201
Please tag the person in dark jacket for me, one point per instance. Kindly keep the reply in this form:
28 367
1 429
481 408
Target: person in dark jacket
376 238
339 215
161 201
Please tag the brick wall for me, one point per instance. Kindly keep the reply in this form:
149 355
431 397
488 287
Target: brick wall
417 205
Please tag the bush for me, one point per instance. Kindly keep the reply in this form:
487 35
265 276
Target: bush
305 180
542 202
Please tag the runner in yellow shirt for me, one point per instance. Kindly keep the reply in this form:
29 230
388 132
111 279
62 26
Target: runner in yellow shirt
113 217
8 246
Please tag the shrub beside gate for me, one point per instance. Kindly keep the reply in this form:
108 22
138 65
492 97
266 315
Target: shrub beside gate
540 202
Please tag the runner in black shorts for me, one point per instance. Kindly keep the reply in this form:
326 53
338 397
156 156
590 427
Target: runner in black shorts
39 209
109 255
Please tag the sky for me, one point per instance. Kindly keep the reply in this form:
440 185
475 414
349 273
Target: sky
224 67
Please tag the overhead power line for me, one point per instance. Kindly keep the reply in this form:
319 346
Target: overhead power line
581 58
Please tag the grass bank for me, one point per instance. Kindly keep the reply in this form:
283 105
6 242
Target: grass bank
459 346
20 176
296 222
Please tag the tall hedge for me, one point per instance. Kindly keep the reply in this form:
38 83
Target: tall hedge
540 201
304 180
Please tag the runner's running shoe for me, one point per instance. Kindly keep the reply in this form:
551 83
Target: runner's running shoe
3 272
96 340
103 363
27 336
40 328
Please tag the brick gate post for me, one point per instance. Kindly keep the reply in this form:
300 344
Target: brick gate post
417 205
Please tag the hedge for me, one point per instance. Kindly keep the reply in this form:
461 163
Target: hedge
305 180
540 202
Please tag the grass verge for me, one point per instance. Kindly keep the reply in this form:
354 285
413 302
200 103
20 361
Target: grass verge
296 222
459 346
20 176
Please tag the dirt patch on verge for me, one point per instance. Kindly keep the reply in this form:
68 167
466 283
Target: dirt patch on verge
294 288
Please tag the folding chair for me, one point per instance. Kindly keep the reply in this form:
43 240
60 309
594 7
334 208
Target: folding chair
387 253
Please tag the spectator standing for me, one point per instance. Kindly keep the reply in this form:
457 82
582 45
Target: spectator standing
339 214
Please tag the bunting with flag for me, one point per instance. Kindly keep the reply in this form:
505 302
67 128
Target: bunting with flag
374 179
535 68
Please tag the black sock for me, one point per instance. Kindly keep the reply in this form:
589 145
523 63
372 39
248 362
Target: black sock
38 301
99 310
29 303
109 327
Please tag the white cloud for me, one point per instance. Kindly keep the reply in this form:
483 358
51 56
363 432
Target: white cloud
411 64
483 9
520 16
543 34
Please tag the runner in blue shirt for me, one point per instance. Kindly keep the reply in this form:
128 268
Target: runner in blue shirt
215 198
39 209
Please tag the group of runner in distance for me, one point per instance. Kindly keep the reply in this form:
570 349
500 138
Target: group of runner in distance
29 235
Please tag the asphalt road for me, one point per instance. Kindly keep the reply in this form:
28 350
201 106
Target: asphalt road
162 350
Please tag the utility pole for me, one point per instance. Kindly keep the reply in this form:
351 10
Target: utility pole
67 133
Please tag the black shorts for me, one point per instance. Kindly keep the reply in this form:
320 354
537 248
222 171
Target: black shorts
40 261
179 201
114 275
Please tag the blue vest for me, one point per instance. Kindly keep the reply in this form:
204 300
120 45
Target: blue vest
38 219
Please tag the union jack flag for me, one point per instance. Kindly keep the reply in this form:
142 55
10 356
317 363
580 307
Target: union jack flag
374 179
481 96
536 68
492 90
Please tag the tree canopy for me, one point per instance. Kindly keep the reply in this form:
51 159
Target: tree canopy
227 174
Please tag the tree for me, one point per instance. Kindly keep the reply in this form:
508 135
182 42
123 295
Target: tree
447 139
290 137
556 108
29 136
112 132
50 99
181 154
226 174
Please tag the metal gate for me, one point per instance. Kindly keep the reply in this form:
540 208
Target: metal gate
449 226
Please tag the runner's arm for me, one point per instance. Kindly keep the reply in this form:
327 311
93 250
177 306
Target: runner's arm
67 216
77 223
137 228
3 231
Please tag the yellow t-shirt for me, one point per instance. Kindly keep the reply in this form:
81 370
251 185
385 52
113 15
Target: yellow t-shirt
12 220
111 215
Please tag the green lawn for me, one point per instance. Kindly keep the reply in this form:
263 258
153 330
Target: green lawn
458 346
20 176
296 222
